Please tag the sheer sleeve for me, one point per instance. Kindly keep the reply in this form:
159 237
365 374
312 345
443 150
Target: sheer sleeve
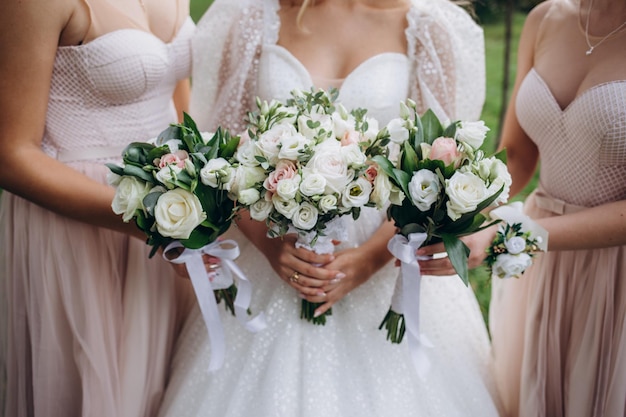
226 50
447 53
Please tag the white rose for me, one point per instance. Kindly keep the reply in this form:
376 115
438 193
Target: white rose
306 216
113 179
246 154
129 196
398 133
357 193
353 155
217 173
507 265
328 162
472 133
288 188
248 196
515 245
247 177
285 207
312 183
167 175
261 209
465 191
291 147
327 203
424 189
269 141
177 213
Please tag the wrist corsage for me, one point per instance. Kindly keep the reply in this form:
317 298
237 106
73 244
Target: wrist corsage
518 239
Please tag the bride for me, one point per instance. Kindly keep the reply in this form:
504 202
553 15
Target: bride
377 53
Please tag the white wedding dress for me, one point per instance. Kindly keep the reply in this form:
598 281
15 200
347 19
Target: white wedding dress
347 367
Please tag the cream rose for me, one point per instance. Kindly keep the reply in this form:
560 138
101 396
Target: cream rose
329 162
261 209
288 187
129 196
285 207
312 183
293 146
327 203
177 213
167 175
306 216
465 191
246 154
268 143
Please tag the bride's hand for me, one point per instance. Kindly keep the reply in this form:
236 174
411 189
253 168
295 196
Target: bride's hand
302 269
477 243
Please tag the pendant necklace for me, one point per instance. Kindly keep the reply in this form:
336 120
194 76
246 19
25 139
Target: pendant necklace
592 47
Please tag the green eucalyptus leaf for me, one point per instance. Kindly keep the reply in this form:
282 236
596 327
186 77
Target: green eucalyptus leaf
138 172
172 132
116 169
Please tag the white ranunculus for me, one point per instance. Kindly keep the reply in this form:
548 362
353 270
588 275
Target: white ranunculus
167 175
261 209
293 146
246 154
327 203
177 213
268 143
306 216
424 189
217 173
129 196
472 133
515 245
465 191
329 163
511 266
288 188
312 183
248 196
285 207
353 155
398 133
357 193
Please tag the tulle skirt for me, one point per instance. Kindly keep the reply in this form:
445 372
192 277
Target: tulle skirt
88 320
345 368
559 332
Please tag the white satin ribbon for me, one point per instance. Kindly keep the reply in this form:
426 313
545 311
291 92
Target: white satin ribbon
226 251
408 301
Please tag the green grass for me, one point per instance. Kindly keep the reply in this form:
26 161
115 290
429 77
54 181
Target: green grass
494 47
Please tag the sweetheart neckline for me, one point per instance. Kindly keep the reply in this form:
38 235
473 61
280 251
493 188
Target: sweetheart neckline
374 58
576 99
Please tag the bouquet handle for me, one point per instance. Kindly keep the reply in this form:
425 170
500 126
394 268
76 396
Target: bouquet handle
226 251
407 296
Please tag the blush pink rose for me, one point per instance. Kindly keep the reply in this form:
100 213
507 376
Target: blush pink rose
370 173
351 137
285 169
445 149
176 158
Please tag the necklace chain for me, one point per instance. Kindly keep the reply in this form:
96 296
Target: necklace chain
592 47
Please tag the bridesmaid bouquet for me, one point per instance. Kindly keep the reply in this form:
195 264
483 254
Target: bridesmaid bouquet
303 167
175 188
447 181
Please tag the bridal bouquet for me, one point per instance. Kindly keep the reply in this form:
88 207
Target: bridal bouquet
447 181
175 188
303 167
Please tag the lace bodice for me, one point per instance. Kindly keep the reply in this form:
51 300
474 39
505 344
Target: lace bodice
582 147
118 87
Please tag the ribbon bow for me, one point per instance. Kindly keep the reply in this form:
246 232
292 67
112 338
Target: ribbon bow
406 299
226 251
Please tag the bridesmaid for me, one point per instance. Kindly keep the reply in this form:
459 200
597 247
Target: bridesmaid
559 333
88 322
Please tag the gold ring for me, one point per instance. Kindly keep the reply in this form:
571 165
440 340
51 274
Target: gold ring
294 277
